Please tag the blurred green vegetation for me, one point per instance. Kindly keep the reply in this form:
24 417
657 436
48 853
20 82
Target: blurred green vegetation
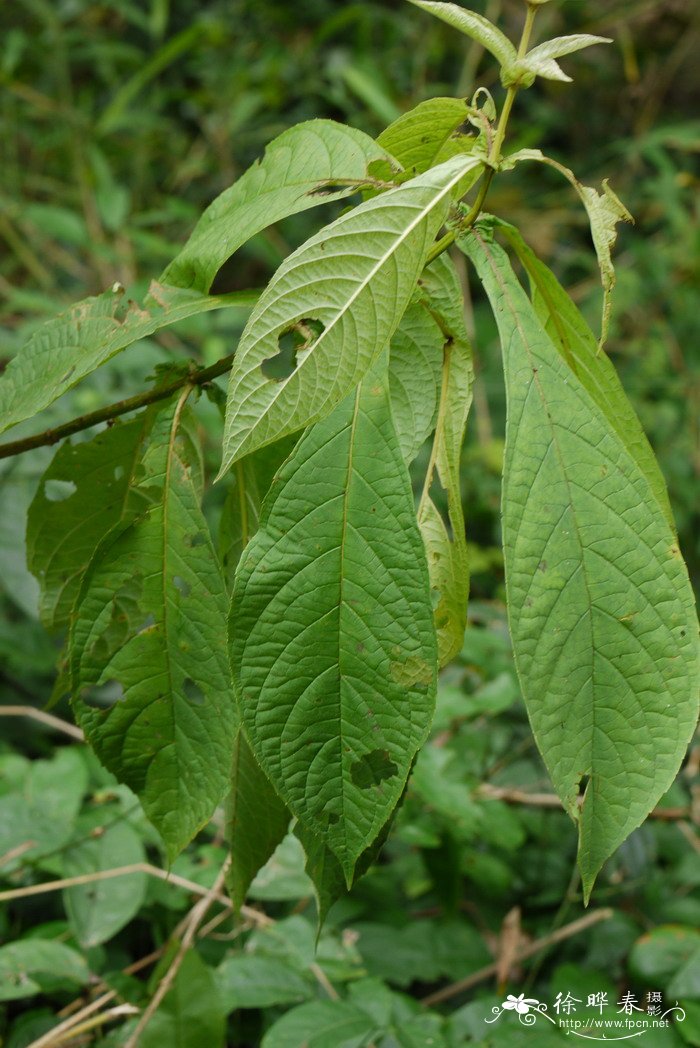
119 122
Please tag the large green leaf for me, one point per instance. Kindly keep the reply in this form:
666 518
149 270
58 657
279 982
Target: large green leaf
343 293
256 820
300 169
428 134
64 350
151 681
577 344
601 611
445 541
80 498
415 376
331 629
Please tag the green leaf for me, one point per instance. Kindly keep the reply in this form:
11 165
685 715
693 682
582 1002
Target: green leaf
41 811
473 25
72 345
100 909
577 345
192 1012
600 607
300 169
446 548
540 59
32 966
428 134
332 636
151 682
357 274
256 820
415 378
80 498
321 1024
260 982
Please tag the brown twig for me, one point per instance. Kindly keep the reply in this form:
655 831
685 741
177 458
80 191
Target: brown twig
44 718
194 377
196 916
550 800
490 970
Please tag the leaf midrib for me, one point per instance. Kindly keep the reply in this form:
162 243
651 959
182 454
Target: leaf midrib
363 284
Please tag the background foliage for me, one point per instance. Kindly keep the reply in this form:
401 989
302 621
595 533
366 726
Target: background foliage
118 123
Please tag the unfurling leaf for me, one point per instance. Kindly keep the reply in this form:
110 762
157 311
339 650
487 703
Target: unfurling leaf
151 682
331 308
448 562
333 645
74 344
301 169
600 606
541 59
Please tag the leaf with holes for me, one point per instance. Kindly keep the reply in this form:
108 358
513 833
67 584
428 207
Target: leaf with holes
600 607
151 681
80 498
445 540
74 344
577 345
331 308
332 637
300 169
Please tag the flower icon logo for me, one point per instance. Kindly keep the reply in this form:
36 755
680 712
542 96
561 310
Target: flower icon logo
520 1004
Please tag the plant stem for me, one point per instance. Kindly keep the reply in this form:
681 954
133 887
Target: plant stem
494 152
194 377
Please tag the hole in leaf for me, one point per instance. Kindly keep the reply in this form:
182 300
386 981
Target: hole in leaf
328 188
181 586
59 490
193 692
147 623
103 696
372 768
583 785
293 344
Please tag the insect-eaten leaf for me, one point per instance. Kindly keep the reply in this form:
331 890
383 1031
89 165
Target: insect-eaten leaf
151 681
332 639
